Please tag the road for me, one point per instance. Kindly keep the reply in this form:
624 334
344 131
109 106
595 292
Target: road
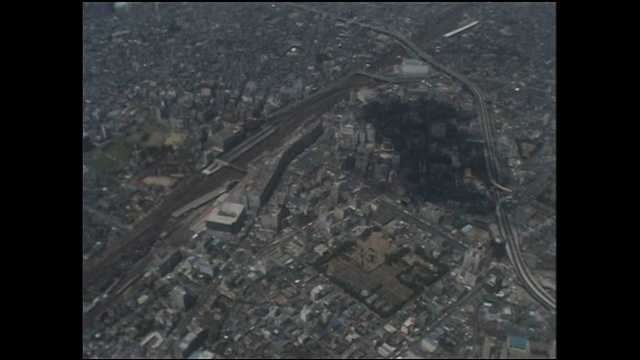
409 218
483 114
199 185
453 308
196 185
393 80
513 251
492 163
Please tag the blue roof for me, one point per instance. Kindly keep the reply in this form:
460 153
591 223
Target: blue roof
518 342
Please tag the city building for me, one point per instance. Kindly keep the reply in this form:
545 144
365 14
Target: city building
205 267
317 292
193 340
304 314
228 137
407 326
229 217
267 176
166 263
181 299
428 344
518 344
471 260
177 123
470 278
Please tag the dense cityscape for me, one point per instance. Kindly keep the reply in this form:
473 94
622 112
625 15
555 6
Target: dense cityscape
319 180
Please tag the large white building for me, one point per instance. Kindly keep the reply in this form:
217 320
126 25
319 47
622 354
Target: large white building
181 299
227 218
412 68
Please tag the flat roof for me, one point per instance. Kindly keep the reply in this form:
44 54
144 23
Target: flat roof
227 213
518 342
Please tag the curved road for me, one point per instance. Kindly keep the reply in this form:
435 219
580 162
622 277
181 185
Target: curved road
493 165
513 251
493 168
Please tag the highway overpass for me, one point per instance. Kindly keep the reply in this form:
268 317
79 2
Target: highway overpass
493 166
507 229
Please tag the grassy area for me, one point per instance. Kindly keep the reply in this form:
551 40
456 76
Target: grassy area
175 139
102 163
370 252
146 139
122 150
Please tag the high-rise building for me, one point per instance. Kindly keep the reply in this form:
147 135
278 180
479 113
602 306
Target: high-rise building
471 260
181 299
371 133
186 346
164 264
304 314
325 316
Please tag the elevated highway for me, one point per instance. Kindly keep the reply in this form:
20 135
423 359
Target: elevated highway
508 231
392 80
483 114
493 165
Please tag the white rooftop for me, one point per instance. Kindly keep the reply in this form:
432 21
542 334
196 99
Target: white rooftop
227 213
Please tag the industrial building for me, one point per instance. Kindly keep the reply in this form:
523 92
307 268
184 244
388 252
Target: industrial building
229 217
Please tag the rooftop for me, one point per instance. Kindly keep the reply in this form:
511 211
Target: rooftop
227 213
518 342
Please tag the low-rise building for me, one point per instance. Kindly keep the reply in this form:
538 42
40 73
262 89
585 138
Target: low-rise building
428 344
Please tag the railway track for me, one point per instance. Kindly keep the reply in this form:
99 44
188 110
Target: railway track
150 226
198 185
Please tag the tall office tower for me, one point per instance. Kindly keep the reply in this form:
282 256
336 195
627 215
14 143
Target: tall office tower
181 299
471 260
